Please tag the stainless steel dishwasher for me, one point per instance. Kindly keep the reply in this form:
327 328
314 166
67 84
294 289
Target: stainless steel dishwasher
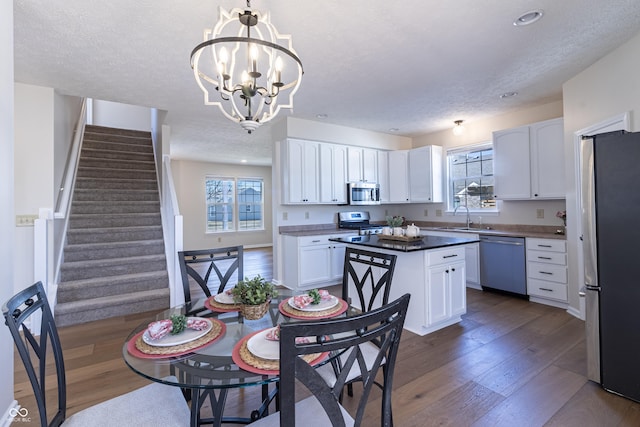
503 264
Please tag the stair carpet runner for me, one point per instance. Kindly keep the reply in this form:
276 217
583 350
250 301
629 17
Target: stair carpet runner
114 262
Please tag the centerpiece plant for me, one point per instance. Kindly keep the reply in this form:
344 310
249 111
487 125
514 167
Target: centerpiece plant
254 295
395 221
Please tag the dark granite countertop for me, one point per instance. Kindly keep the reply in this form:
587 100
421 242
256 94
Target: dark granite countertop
426 243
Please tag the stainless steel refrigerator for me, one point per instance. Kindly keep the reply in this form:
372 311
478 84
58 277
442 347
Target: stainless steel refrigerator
610 175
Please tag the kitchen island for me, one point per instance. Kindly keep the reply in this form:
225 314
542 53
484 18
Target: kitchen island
432 270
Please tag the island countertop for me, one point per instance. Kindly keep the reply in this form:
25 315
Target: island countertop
426 243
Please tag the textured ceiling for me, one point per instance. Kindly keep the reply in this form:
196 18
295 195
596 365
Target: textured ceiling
414 65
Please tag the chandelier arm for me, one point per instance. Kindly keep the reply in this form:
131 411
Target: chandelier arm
246 40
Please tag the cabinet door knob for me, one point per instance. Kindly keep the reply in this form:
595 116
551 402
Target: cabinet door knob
453 269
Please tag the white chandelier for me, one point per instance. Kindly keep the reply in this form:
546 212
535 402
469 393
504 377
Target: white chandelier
240 67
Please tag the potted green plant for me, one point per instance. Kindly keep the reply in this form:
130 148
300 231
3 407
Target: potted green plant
254 295
394 221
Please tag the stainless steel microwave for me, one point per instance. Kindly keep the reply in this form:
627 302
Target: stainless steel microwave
363 193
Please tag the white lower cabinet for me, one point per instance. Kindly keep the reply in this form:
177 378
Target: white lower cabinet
436 281
547 276
312 261
446 291
472 255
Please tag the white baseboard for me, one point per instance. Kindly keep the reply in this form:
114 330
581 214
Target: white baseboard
575 312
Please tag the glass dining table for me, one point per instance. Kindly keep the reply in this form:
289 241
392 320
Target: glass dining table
208 367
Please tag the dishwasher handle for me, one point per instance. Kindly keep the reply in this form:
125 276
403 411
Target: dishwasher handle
500 242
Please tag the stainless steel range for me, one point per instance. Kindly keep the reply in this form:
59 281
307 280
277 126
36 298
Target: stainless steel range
358 220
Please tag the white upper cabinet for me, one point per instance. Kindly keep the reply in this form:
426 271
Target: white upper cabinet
301 161
529 161
362 164
383 175
425 174
333 173
399 176
547 160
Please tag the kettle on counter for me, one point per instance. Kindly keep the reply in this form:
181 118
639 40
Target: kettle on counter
413 230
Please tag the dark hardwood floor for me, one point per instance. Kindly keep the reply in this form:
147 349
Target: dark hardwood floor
510 362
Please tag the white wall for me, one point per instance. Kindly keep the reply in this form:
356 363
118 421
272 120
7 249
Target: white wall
511 212
609 87
7 226
122 116
189 179
34 169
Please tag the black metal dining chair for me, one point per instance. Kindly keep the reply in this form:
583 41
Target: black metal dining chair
382 326
366 284
198 265
154 404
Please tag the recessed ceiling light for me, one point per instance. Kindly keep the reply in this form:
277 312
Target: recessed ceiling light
321 116
508 95
528 18
243 161
393 129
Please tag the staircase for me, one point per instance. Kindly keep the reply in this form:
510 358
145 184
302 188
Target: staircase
114 261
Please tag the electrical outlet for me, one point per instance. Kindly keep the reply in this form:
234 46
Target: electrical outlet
426 212
285 216
540 213
386 213
306 215
438 212
219 239
25 220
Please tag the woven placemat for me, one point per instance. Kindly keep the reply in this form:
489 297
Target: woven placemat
214 305
339 308
267 364
216 328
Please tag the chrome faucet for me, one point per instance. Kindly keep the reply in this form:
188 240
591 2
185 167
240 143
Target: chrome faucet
468 214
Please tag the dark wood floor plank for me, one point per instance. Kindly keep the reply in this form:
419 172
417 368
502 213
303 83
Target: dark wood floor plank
535 402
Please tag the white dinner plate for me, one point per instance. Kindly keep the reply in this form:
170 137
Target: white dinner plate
322 305
183 337
224 298
260 346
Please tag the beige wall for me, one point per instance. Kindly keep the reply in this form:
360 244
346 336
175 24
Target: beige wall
189 178
7 222
608 88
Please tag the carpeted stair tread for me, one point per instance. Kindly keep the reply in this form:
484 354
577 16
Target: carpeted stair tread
139 165
71 313
82 252
94 220
81 289
114 206
115 183
95 129
82 194
91 153
117 145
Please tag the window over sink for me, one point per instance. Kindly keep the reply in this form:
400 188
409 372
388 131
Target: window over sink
470 178
234 204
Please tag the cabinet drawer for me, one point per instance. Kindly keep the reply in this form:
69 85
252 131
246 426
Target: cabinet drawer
443 256
547 245
313 240
555 273
547 257
544 289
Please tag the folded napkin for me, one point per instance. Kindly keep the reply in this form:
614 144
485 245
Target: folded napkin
302 301
162 328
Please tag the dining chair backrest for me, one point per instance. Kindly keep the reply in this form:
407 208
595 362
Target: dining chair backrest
345 336
366 281
22 313
198 265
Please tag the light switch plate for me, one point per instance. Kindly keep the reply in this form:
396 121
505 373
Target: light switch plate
540 213
25 220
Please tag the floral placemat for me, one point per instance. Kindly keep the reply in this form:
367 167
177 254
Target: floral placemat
214 305
250 362
286 309
137 347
